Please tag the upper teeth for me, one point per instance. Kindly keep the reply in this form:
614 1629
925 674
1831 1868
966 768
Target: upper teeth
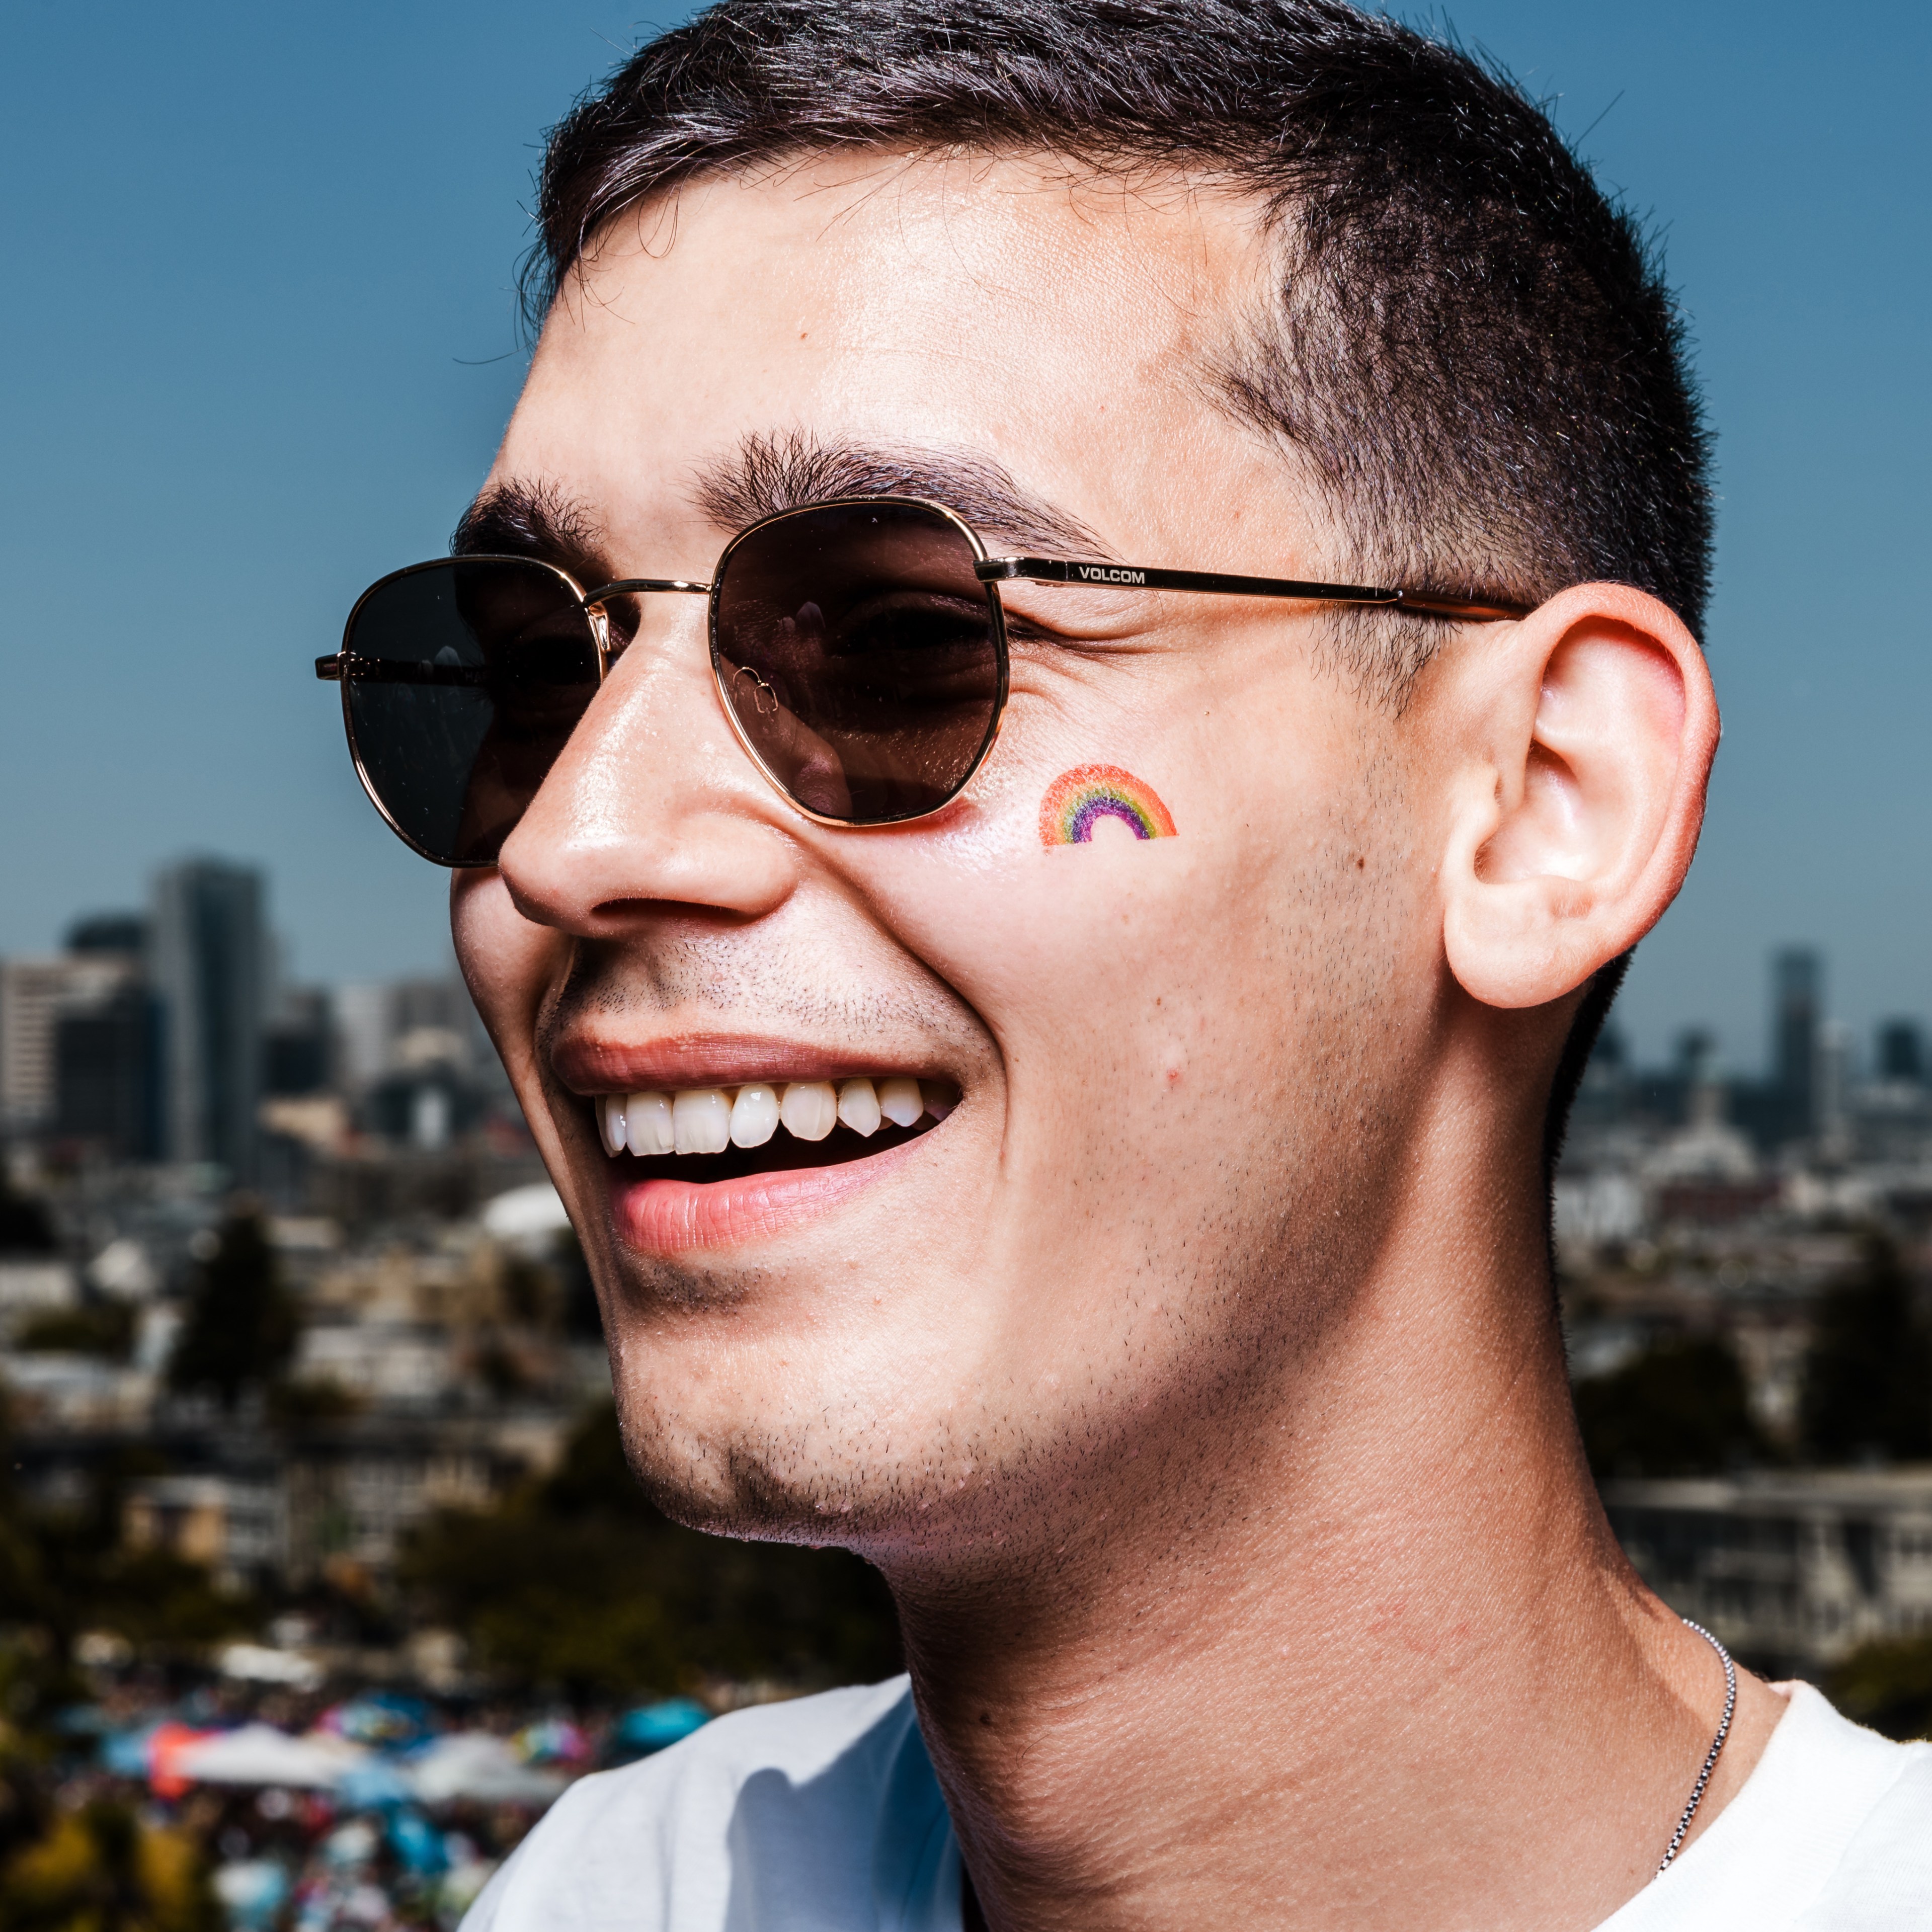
706 1120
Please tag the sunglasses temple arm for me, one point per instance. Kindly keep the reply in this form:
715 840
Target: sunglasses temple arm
346 668
1059 570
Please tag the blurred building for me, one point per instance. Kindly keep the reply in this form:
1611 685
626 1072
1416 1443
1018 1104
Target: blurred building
108 1076
1901 1053
107 1052
35 995
210 968
234 1525
299 1053
1798 977
1792 1571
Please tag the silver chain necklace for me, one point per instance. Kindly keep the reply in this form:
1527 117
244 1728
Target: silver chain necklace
1717 1745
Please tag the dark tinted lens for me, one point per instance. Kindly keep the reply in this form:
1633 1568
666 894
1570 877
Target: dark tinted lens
857 652
482 668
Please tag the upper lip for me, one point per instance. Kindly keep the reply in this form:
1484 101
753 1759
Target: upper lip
587 1063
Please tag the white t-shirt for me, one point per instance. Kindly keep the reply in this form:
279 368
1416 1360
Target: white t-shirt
824 1816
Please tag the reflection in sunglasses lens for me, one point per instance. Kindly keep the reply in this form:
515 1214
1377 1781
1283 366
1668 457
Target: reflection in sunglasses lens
858 653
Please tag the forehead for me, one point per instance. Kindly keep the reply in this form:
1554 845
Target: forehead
1064 328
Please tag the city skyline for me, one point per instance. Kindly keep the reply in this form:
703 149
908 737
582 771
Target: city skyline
1795 992
311 349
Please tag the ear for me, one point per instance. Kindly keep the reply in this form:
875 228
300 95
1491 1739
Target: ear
1584 741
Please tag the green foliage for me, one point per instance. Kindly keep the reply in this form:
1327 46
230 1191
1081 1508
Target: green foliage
37 1681
26 1228
101 1328
100 1869
242 1323
65 1571
1887 1685
313 1399
531 1292
578 1294
1867 1379
580 1583
155 1600
1679 1409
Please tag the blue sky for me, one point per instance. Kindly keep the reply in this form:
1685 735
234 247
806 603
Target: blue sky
262 342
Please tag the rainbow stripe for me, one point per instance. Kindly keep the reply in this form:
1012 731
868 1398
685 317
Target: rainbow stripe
1077 799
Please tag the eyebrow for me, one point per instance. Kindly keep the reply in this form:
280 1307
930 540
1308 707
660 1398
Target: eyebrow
539 519
767 474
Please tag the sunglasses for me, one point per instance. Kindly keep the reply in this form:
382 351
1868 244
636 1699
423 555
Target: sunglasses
859 648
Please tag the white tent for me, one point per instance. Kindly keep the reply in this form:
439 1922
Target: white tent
260 1754
530 1217
478 1765
263 1663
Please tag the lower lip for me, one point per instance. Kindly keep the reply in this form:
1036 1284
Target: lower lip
669 1217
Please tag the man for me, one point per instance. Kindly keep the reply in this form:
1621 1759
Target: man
1055 1055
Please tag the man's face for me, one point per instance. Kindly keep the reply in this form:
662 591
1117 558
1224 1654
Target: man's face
1178 1062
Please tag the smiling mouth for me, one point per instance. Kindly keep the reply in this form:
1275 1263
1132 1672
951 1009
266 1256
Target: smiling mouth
702 1134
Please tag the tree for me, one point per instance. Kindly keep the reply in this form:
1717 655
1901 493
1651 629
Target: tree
1679 1409
241 1322
1867 1375
579 1581
100 1868
1887 1685
26 1228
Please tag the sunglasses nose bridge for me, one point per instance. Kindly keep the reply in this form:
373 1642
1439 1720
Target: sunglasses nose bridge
612 642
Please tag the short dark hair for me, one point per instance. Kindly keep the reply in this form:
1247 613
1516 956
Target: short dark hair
1471 354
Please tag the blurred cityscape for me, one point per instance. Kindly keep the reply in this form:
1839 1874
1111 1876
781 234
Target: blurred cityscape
320 1571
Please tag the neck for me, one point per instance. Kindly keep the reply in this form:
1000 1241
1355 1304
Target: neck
1381 1664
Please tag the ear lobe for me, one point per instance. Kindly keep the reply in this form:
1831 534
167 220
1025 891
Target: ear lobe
1588 742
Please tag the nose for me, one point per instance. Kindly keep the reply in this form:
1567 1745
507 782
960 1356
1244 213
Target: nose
653 803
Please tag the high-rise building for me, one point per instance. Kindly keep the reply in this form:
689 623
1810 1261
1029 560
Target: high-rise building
298 1052
210 966
1831 1093
1797 1010
35 995
121 935
384 1025
107 1061
1901 1052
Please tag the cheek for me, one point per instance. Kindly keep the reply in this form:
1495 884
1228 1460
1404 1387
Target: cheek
1124 978
1163 1002
508 964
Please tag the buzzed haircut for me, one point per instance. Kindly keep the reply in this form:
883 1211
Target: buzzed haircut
1469 352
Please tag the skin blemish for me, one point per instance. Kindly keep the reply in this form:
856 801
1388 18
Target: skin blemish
1079 802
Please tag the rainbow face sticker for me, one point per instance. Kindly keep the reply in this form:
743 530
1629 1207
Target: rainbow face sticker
1077 801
